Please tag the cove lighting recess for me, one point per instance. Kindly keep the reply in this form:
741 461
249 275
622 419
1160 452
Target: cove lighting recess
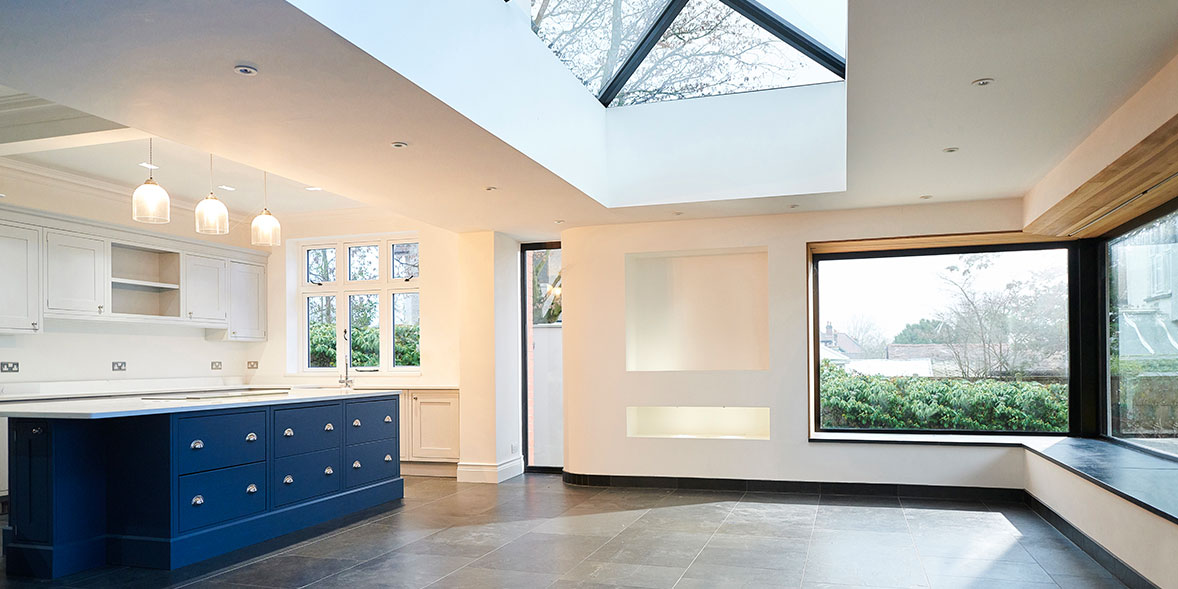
226 187
313 188
713 423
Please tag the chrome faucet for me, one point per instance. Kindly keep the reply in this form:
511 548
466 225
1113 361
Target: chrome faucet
346 381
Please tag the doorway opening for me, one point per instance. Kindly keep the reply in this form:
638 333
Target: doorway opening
543 394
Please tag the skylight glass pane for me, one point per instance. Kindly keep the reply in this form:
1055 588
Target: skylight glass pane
593 37
709 50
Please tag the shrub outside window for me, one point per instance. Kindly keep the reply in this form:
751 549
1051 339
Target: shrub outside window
950 340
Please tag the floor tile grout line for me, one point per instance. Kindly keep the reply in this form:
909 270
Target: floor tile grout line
709 541
299 545
611 539
810 540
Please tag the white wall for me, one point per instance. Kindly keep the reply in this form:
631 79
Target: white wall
598 388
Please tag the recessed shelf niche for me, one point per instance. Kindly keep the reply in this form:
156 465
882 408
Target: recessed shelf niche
698 310
144 281
715 423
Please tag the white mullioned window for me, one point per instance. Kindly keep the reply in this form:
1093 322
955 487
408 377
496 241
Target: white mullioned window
360 305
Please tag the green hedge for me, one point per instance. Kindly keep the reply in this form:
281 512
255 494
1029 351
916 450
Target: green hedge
850 400
365 346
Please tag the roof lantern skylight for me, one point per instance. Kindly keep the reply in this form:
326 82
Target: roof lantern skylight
639 51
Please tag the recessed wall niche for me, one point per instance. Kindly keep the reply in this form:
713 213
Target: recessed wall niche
720 423
698 310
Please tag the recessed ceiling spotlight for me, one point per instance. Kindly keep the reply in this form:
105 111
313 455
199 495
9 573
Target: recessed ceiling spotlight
677 213
399 144
148 166
559 221
951 149
491 188
982 81
925 196
245 69
2 195
313 188
794 206
226 187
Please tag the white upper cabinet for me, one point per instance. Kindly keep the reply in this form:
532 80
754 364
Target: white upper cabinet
76 273
206 288
20 289
247 302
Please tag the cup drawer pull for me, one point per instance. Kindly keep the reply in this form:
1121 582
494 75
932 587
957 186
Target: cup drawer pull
197 444
198 500
329 471
251 437
328 428
288 479
356 423
388 419
289 433
356 464
388 457
251 489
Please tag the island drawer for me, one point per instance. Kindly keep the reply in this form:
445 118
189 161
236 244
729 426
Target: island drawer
372 420
217 441
211 497
307 429
304 476
373 461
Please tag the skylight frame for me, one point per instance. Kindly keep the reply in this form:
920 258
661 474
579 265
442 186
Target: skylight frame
752 10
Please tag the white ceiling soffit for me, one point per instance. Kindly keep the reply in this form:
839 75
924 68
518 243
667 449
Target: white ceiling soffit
485 62
322 112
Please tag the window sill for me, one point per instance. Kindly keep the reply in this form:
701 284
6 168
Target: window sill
1137 476
1012 440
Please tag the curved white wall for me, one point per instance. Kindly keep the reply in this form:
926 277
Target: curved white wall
598 387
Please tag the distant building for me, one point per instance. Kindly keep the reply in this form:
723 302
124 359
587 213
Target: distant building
844 343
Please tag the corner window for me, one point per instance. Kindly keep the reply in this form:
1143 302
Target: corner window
377 326
1143 336
948 340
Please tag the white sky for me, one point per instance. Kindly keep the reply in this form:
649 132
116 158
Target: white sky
893 292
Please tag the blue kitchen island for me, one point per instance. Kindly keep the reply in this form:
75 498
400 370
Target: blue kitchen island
167 480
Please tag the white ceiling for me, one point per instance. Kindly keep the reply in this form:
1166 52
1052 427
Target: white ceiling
184 173
322 112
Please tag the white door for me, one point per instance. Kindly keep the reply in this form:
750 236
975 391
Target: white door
75 273
20 290
247 301
434 433
206 288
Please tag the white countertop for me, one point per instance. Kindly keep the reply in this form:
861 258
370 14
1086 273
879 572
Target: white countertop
149 403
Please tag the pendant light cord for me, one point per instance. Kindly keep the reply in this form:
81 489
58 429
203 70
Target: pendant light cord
150 163
210 173
265 191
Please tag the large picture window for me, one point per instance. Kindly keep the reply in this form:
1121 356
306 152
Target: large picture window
968 339
365 314
1143 336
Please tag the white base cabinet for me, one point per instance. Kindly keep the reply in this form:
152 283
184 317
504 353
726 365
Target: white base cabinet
429 422
20 290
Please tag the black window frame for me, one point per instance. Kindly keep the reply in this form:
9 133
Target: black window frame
1101 244
1086 357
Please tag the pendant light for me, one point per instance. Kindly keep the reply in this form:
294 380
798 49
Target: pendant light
265 229
150 202
212 218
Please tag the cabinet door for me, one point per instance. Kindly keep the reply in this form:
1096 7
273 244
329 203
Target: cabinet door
247 301
20 290
75 277
206 288
435 426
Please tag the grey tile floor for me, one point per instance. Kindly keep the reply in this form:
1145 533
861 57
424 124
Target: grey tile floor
534 531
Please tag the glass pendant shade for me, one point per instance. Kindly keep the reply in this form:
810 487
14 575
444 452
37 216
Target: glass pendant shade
265 230
212 217
150 203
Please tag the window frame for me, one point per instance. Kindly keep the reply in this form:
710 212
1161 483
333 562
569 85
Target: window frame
1104 416
1080 396
343 288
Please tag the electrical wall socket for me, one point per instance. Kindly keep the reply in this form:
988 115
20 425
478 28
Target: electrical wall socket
252 364
9 366
216 365
514 448
118 366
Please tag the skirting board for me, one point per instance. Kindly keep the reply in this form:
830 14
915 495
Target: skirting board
479 472
429 469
